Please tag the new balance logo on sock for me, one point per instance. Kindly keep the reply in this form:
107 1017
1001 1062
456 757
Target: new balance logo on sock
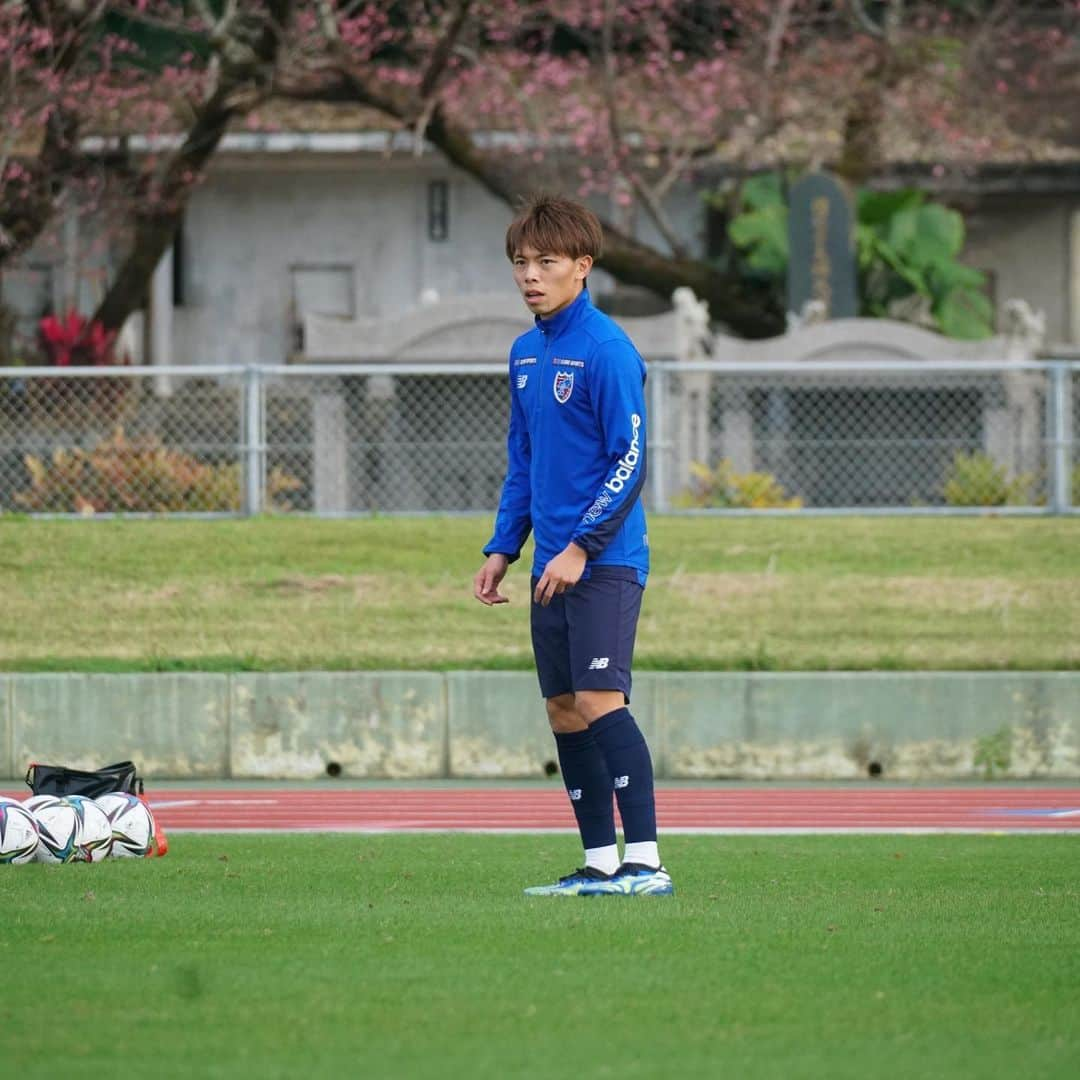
622 781
598 663
574 793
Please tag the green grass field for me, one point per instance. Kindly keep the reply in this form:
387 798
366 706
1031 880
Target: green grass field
726 593
417 956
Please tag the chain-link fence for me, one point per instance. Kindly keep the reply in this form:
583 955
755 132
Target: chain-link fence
122 440
396 438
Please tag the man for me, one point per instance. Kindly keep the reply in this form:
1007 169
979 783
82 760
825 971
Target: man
575 475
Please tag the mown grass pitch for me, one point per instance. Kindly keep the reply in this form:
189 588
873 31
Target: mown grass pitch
417 956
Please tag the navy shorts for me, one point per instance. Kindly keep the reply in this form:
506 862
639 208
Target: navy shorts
584 639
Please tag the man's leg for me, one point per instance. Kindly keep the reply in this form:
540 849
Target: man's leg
588 783
603 626
626 754
584 771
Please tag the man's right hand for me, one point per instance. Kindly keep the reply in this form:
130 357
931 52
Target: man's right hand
486 582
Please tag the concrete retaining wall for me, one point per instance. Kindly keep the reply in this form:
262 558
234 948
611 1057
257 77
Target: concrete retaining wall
908 726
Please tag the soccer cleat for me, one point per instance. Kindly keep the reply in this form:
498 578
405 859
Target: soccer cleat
633 879
573 884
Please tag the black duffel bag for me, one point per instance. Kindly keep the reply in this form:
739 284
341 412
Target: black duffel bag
60 780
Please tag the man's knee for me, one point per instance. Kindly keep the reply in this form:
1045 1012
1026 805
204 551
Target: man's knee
590 705
563 715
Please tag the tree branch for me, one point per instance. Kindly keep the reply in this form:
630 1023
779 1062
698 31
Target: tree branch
25 214
777 29
863 20
249 53
440 58
646 197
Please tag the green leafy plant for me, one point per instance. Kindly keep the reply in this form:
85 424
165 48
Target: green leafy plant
977 480
121 475
907 252
722 487
761 229
993 752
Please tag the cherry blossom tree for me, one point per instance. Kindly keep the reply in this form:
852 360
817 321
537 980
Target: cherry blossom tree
54 62
630 98
85 79
624 101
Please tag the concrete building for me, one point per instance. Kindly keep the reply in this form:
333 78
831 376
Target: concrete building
356 224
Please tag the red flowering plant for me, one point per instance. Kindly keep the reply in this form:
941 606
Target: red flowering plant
73 340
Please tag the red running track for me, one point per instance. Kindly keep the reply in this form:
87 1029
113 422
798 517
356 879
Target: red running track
704 810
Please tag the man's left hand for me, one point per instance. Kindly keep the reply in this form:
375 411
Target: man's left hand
561 573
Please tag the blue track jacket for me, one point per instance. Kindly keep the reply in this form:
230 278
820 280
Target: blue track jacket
576 444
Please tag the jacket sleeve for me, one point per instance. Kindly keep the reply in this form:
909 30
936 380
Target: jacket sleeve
617 383
513 520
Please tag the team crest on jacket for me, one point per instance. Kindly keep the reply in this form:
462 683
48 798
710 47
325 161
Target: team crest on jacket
564 386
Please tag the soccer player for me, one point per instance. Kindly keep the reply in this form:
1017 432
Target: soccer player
574 478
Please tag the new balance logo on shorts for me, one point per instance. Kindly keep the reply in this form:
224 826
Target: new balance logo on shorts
598 663
622 781
574 793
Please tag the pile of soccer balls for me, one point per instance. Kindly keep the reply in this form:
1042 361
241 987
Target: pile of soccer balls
50 829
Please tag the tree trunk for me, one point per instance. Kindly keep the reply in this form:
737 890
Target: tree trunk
156 227
244 77
730 300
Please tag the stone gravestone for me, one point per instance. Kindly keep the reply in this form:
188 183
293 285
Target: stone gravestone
822 264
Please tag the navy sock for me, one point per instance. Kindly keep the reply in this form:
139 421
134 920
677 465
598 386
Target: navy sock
628 761
588 783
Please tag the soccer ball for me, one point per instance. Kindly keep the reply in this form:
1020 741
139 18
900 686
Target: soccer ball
18 833
35 802
60 828
97 838
132 824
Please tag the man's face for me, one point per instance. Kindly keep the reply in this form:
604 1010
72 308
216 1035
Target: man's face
549 282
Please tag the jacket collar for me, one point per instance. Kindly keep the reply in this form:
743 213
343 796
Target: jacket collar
567 317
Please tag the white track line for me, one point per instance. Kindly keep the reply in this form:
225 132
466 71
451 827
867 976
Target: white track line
382 829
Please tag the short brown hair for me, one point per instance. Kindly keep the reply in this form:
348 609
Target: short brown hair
558 226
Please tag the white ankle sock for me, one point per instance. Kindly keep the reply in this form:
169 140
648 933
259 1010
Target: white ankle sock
644 852
603 858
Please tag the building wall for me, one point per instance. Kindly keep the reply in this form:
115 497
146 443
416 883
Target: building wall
247 233
1025 242
257 217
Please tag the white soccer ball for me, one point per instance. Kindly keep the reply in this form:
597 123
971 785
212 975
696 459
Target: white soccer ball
97 838
132 824
35 802
18 833
60 830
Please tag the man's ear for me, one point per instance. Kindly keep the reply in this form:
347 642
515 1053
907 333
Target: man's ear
584 265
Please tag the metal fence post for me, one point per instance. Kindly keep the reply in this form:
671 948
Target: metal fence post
1060 438
254 442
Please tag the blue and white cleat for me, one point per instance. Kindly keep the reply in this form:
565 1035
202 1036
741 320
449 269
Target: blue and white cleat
575 884
633 879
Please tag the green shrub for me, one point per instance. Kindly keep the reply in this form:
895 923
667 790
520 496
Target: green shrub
121 475
993 753
977 480
722 487
908 251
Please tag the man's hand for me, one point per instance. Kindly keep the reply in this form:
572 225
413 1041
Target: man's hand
562 573
486 582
